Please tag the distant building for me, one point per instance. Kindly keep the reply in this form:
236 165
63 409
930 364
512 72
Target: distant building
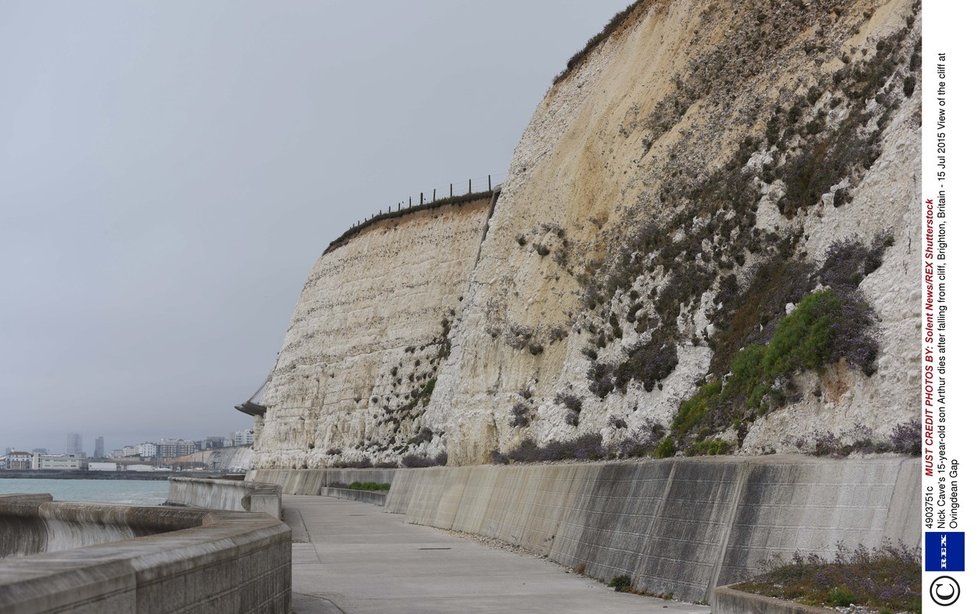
172 448
103 467
18 459
214 443
39 451
74 445
140 468
131 451
100 447
242 438
57 461
146 450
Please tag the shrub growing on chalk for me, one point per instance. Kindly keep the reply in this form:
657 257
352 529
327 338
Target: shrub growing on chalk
416 460
519 416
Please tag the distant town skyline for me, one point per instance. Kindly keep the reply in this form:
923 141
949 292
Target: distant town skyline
233 438
170 171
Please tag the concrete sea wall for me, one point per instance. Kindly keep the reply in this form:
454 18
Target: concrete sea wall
292 481
187 561
312 481
31 524
680 526
364 496
228 495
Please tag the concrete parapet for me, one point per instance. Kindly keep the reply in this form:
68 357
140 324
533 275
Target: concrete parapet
373 497
312 481
292 481
231 495
680 526
31 524
729 601
218 562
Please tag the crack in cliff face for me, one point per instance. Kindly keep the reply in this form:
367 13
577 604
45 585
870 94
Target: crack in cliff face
698 173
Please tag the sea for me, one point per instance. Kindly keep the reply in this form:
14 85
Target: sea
132 492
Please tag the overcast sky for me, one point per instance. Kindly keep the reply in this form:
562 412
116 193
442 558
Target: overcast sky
169 172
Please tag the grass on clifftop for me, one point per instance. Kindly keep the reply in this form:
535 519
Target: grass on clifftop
596 40
886 578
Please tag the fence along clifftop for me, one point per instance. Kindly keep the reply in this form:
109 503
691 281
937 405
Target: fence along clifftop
420 204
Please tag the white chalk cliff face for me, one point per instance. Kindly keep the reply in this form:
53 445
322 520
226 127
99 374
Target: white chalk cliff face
363 349
701 170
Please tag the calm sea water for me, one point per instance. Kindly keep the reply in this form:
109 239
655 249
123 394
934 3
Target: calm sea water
133 492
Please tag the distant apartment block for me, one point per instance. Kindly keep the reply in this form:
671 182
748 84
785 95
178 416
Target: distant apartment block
242 438
213 443
57 461
73 447
172 448
18 459
100 447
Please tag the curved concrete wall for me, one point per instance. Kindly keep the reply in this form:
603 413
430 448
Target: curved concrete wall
680 526
198 561
231 495
31 524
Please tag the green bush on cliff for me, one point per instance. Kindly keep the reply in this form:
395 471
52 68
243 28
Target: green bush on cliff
711 447
824 327
692 410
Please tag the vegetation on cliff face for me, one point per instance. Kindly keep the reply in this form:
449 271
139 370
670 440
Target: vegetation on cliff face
823 328
419 372
707 253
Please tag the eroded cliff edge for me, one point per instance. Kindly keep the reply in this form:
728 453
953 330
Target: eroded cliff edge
708 239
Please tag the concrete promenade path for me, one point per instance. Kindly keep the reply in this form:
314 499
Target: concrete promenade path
354 558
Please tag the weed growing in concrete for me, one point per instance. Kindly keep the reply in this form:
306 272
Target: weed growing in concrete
621 584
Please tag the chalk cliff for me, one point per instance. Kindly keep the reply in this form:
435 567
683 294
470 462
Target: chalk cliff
708 241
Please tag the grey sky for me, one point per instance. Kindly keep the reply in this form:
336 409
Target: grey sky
169 171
